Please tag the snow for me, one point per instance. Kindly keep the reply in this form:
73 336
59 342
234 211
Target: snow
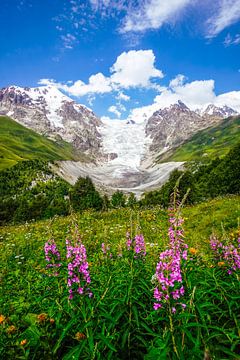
127 140
53 98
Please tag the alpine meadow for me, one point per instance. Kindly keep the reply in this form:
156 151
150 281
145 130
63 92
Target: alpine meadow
120 180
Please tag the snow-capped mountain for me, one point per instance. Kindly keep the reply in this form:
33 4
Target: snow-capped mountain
171 126
48 111
123 152
216 111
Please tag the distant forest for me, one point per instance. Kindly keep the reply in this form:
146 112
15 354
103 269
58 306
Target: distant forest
30 191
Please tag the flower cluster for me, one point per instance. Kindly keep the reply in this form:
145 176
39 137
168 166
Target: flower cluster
78 274
52 257
226 254
137 245
168 276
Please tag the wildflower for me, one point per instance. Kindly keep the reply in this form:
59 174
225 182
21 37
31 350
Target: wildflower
2 318
140 247
157 306
52 256
52 321
42 317
23 342
226 253
78 273
128 241
79 336
168 274
193 251
137 245
11 329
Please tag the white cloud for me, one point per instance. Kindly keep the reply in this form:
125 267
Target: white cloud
68 41
229 40
177 81
228 13
98 83
131 69
135 68
47 82
152 14
122 97
196 95
113 109
231 99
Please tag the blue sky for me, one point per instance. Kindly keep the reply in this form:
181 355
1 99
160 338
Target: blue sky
125 58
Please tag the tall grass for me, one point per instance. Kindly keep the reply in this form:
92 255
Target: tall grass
39 321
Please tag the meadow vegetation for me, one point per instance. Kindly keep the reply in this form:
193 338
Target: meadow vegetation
119 257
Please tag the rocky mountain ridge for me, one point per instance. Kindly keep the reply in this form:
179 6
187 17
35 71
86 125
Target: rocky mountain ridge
171 126
48 111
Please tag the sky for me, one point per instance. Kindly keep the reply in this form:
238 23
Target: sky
124 59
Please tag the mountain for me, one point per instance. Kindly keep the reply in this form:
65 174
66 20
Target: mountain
170 127
48 111
215 111
123 153
18 143
208 143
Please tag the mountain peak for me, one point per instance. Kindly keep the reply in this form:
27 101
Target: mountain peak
218 111
47 110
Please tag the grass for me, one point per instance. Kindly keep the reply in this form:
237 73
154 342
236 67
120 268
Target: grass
208 143
18 143
119 322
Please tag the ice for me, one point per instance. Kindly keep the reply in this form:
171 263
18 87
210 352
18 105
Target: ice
127 140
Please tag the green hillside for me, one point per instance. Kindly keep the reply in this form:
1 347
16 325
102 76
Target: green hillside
18 143
208 143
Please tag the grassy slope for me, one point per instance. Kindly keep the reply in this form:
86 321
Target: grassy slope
19 143
209 143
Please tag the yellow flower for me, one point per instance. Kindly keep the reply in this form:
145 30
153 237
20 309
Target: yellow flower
42 317
2 318
52 321
23 342
221 263
80 336
193 251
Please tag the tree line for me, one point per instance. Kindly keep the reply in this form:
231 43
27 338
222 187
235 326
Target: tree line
29 190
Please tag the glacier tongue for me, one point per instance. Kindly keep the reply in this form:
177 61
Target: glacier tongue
127 140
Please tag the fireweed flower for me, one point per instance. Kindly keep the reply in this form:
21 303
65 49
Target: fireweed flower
128 241
226 254
137 245
168 276
78 275
52 256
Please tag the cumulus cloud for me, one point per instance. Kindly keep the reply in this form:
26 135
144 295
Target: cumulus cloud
135 68
227 14
132 69
196 95
152 14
